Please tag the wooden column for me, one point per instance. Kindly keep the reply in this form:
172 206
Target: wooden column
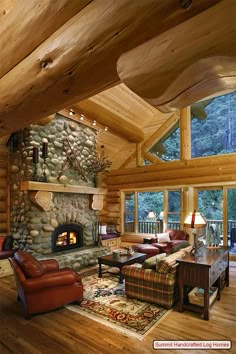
139 158
185 133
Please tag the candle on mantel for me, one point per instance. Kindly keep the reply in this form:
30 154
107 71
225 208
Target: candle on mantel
35 154
44 149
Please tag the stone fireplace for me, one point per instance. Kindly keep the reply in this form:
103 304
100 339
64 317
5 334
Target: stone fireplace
34 226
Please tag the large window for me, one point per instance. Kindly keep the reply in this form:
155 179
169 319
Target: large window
148 212
213 127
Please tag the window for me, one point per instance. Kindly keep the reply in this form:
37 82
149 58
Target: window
174 210
138 205
148 201
129 216
213 127
168 147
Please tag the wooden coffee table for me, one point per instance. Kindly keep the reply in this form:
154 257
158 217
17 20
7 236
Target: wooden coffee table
119 263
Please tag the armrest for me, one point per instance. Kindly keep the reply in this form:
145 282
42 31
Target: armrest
49 265
50 280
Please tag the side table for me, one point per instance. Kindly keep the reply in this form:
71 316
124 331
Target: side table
202 270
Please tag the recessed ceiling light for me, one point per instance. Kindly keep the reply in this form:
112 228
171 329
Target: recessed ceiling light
94 122
106 129
81 117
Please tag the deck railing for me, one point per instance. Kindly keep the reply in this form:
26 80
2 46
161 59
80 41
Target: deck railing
151 227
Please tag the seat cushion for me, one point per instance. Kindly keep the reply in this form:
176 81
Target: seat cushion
146 248
30 265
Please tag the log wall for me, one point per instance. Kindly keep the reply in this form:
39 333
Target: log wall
4 214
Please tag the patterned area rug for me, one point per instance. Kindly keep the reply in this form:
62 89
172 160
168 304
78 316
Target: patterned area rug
105 301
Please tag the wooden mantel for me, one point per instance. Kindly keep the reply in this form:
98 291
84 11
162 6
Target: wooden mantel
60 188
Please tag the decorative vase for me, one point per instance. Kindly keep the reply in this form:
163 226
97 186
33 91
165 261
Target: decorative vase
98 180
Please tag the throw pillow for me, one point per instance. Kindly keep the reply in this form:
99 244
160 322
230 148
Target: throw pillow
179 246
164 237
151 262
166 265
102 229
111 229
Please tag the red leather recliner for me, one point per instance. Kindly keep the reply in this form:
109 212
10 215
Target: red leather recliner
42 286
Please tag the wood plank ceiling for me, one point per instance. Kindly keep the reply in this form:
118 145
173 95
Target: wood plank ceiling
86 51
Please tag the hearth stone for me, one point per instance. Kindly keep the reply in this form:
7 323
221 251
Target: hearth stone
78 259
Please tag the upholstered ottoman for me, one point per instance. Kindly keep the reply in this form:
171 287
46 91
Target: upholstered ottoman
146 248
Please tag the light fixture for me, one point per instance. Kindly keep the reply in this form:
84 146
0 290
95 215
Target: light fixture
94 122
194 220
106 129
81 117
71 113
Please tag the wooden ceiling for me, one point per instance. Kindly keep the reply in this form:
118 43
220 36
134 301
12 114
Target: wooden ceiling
83 55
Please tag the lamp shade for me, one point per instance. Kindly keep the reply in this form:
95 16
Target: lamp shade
151 215
194 222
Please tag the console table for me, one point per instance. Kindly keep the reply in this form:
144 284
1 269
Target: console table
202 270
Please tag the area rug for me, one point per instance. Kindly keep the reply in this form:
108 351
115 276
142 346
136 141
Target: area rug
105 301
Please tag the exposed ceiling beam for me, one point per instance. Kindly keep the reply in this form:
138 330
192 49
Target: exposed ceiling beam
114 122
186 63
30 23
79 59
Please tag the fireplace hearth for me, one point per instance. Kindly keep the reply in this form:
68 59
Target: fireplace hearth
67 237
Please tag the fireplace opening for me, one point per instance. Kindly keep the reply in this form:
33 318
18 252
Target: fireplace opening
66 237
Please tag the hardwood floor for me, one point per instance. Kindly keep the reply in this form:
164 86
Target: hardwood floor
63 331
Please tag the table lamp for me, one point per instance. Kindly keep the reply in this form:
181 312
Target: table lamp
194 220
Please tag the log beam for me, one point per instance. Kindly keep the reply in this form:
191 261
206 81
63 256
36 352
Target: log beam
187 63
185 133
31 23
79 59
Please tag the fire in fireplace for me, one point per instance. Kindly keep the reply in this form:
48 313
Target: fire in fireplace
66 237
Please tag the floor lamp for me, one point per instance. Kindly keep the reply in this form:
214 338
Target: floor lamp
194 220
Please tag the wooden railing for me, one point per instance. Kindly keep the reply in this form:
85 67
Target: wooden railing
151 227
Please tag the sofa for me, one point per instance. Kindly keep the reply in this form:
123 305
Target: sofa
42 286
156 280
168 242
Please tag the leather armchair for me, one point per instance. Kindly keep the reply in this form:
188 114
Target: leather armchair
42 286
